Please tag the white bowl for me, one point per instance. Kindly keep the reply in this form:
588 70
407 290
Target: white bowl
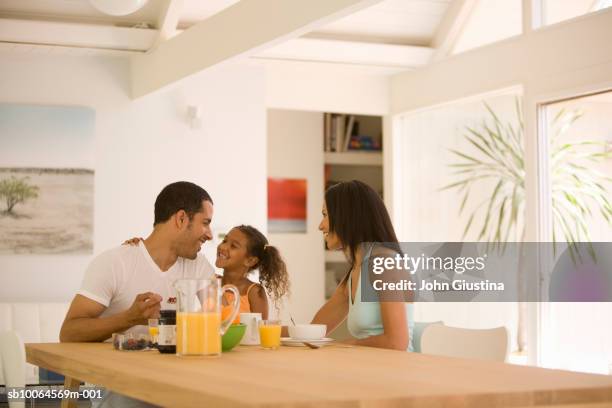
308 331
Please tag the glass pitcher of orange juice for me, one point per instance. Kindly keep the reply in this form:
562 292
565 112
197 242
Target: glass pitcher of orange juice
198 316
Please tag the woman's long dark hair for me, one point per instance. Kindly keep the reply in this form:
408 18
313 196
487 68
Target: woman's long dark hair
356 215
273 274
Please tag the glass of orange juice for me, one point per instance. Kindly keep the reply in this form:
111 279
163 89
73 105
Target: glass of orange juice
270 334
153 330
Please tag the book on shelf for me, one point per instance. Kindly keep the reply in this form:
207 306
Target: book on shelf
349 132
364 143
337 132
340 126
326 131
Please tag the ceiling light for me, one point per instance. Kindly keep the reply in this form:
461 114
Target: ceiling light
118 7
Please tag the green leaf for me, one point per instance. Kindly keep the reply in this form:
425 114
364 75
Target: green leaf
519 112
465 156
490 206
465 197
469 224
464 181
500 221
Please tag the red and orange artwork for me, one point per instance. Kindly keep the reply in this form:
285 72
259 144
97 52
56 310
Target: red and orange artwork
287 205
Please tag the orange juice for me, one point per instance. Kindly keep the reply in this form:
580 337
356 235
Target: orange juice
198 333
153 331
270 336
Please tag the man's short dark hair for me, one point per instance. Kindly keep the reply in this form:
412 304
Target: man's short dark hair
181 195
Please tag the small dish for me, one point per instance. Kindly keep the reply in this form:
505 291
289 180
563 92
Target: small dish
291 342
131 342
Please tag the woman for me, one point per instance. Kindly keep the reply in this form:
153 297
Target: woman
353 215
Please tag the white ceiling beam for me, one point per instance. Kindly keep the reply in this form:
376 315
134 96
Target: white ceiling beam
451 27
76 35
243 29
350 52
546 61
168 19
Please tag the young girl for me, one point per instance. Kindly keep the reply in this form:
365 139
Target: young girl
244 249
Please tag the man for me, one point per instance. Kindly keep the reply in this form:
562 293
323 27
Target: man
125 286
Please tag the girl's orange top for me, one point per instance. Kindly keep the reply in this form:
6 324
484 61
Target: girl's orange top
245 306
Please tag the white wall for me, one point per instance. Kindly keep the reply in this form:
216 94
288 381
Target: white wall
141 146
311 86
295 150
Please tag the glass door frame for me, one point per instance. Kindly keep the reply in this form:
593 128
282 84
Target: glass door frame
539 201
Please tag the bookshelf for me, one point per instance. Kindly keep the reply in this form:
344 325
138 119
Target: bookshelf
354 158
353 150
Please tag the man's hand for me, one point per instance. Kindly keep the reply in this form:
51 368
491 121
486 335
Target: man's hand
132 241
145 306
83 321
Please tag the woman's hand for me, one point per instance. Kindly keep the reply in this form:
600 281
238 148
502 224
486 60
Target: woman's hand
133 241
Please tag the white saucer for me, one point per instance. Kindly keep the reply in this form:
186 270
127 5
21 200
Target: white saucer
291 342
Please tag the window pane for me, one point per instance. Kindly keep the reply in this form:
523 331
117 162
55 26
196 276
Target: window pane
436 150
490 21
578 336
424 212
580 136
561 10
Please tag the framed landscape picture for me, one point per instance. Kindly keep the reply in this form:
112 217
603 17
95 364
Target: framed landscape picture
46 179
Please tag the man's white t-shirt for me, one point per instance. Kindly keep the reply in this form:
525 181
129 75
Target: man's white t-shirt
115 277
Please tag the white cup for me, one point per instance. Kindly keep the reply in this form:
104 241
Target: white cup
251 335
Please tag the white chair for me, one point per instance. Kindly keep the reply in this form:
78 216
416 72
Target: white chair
483 344
13 362
417 334
35 323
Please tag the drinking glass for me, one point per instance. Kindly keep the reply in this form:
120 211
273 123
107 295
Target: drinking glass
270 334
154 330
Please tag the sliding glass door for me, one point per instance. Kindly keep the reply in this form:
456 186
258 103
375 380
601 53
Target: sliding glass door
578 190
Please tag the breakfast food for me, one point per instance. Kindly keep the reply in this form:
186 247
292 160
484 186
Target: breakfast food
129 342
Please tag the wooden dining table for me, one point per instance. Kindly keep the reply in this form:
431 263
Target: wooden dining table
334 376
